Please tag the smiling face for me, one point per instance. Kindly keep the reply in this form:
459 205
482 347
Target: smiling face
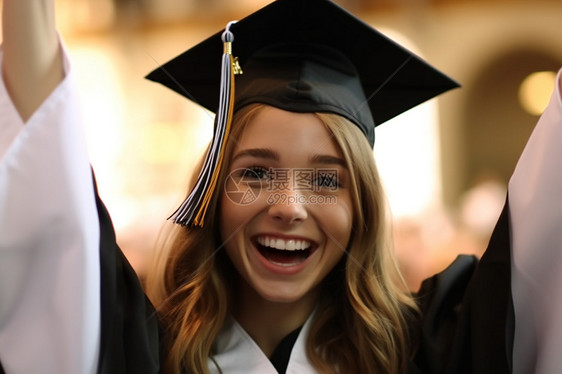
286 211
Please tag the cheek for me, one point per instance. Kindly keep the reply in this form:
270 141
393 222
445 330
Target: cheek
233 221
344 227
229 228
336 221
230 221
340 221
237 205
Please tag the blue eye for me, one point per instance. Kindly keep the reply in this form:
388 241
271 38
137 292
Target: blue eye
255 172
326 179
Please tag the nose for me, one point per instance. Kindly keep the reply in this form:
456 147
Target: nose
287 207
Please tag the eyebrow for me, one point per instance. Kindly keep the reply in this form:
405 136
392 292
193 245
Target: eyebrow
328 160
264 153
269 154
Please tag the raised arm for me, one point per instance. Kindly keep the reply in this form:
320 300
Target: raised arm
49 229
32 65
535 201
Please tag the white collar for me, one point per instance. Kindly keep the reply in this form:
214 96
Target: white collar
238 353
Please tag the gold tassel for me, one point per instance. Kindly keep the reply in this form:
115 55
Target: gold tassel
193 209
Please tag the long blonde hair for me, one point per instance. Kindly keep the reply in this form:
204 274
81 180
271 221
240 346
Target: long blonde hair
369 332
363 326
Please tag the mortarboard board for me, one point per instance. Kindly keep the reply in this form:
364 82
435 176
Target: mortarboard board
301 56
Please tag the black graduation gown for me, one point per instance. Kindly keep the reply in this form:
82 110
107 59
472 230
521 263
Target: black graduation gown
130 333
468 316
467 324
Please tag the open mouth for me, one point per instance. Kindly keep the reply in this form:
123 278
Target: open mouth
284 252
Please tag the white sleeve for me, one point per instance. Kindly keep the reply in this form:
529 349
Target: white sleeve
49 239
535 201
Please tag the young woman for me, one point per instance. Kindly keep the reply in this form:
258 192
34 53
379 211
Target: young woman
274 265
298 276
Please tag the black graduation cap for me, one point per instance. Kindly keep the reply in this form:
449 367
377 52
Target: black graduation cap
301 56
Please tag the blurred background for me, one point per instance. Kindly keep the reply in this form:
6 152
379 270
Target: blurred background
446 163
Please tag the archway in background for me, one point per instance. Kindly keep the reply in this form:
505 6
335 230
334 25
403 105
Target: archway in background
495 127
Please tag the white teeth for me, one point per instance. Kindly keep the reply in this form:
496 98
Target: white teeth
283 245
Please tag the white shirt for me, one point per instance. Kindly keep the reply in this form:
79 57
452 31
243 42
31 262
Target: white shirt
238 353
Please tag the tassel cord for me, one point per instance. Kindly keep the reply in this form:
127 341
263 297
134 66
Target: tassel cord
192 211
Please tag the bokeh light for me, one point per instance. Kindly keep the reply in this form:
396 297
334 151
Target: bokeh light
535 91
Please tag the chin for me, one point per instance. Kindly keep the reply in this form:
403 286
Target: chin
283 294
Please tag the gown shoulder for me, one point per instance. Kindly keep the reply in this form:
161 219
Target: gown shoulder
467 319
